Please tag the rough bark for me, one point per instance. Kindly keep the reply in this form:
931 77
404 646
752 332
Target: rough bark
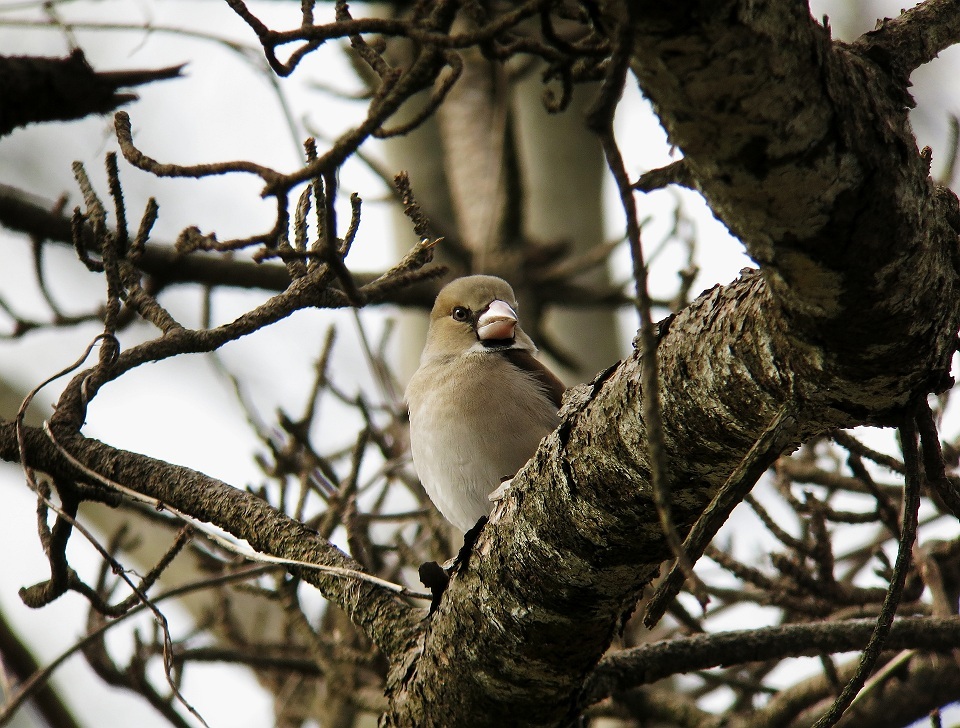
803 148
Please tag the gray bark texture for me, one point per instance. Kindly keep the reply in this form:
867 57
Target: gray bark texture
803 148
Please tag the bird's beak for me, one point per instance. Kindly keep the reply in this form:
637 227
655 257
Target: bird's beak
497 322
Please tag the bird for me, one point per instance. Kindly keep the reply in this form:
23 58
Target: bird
480 401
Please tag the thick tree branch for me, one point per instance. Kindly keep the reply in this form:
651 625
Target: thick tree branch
907 42
804 150
564 559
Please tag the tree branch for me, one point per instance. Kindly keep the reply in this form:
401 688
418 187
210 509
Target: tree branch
649 663
388 620
31 215
58 89
780 129
922 685
907 42
18 660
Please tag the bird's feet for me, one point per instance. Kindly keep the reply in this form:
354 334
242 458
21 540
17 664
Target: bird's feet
437 578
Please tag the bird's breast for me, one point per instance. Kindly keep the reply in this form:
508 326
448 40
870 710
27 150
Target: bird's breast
473 422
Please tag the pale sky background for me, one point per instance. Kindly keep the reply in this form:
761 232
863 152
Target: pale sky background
199 423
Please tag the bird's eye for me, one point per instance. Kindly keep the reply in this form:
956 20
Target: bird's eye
460 313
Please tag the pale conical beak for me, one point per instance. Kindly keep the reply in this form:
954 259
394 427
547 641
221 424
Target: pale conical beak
497 322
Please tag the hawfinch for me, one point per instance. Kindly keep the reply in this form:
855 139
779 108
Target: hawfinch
480 402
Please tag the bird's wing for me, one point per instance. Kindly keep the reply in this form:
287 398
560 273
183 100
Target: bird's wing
548 380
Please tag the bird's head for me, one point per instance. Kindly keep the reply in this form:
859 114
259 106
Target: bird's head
475 314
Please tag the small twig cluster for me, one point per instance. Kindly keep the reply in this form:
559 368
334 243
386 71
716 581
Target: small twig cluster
816 593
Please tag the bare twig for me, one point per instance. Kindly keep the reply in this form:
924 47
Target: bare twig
757 459
649 663
911 504
40 678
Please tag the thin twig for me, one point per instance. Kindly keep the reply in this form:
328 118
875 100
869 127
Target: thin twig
67 518
767 447
40 678
600 120
911 505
